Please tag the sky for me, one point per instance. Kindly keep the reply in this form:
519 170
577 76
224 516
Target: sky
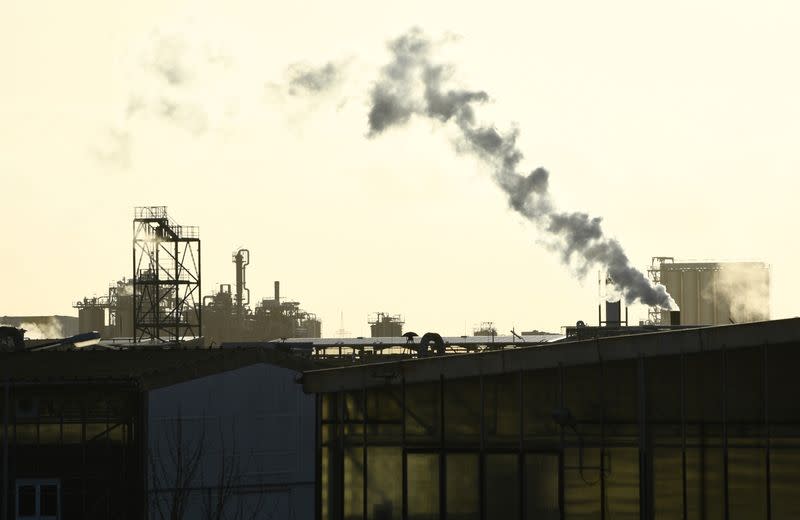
678 125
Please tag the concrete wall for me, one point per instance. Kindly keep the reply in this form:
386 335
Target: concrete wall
251 431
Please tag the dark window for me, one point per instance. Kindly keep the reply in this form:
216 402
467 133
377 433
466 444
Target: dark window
26 500
462 410
502 409
502 486
385 414
541 389
48 500
423 421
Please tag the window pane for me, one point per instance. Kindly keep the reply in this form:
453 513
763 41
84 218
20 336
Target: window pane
462 486
784 472
502 486
384 483
48 500
72 433
704 496
581 483
49 434
385 414
583 394
747 483
423 486
26 499
462 410
667 483
423 421
354 417
541 398
26 434
541 480
620 399
353 483
622 483
325 483
502 409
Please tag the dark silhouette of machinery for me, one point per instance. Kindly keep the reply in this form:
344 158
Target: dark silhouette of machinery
227 316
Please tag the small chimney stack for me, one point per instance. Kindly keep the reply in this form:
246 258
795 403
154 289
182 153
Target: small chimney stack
277 292
674 317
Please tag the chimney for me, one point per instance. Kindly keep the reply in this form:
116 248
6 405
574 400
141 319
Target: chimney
277 291
674 317
613 314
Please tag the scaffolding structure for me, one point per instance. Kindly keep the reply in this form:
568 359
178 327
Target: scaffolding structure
166 278
654 274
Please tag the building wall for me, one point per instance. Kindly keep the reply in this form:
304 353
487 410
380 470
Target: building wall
718 293
81 440
251 431
705 435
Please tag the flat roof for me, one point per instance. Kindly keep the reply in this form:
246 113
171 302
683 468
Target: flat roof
402 341
550 355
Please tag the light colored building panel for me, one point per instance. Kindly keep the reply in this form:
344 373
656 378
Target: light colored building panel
711 293
251 428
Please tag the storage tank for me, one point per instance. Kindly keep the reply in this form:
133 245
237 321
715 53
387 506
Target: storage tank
717 293
91 319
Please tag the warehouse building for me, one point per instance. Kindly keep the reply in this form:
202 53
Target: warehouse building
691 423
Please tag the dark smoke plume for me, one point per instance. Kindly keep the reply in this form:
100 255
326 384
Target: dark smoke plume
413 85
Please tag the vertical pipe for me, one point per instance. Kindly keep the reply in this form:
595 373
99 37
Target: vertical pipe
765 407
602 436
277 292
318 456
442 460
683 437
199 293
6 405
645 479
562 404
725 505
403 443
482 453
521 456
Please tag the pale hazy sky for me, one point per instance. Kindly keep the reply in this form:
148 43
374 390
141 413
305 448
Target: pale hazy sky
677 123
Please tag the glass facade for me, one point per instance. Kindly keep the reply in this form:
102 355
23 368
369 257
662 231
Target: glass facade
83 439
705 435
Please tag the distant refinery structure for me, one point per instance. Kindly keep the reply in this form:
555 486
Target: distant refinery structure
161 302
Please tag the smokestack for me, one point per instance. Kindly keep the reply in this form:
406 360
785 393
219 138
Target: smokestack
674 317
613 314
277 292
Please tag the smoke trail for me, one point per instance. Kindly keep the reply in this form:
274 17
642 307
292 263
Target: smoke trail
304 78
580 239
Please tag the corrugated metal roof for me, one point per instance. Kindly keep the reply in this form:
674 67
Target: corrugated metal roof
385 342
550 355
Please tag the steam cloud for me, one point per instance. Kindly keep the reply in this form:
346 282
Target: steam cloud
304 78
413 85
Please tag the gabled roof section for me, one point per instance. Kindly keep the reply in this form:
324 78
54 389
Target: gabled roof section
147 368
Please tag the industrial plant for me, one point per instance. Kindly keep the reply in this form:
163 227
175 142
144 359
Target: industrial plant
162 403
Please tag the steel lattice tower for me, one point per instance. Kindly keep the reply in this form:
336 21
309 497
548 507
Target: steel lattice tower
166 278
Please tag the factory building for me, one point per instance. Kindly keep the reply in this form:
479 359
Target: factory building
687 423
